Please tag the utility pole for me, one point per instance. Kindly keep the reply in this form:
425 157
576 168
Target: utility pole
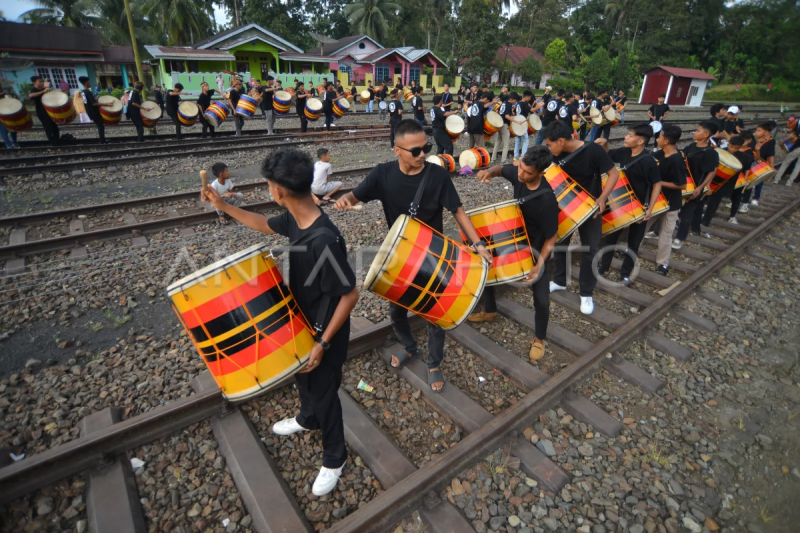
136 58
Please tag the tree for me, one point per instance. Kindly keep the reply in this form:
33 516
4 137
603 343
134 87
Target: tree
556 55
110 19
370 17
599 69
56 13
180 22
473 50
618 11
530 69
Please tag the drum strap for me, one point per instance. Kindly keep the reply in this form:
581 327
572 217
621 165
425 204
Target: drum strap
412 210
636 159
539 192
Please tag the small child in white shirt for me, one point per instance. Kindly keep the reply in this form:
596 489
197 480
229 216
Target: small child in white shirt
322 186
224 186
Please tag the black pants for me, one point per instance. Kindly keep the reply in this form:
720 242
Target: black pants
303 122
711 208
50 129
402 329
444 144
590 231
736 201
320 407
328 119
206 126
392 124
541 302
582 132
605 131
238 122
635 236
137 122
101 128
691 214
177 122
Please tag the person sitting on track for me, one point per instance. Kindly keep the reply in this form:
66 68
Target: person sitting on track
322 184
324 288
540 211
224 187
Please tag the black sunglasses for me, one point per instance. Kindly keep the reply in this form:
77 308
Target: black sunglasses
418 150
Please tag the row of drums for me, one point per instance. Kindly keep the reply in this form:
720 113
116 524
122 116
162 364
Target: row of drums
492 123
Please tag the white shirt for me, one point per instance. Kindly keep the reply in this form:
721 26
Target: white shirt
222 188
321 172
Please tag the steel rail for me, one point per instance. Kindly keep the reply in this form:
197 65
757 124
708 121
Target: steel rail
391 506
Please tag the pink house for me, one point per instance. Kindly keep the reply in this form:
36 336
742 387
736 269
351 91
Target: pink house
359 55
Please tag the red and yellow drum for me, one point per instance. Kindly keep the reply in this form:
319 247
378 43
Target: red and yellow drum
443 160
340 107
244 322
427 273
189 112
534 123
313 109
728 167
516 129
474 158
741 181
110 114
13 115
759 173
364 97
454 126
151 113
492 123
662 205
622 206
216 114
408 95
503 228
690 186
246 106
574 203
281 102
59 106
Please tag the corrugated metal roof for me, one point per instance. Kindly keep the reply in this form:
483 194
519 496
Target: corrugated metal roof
517 54
380 54
306 57
335 46
178 52
37 38
118 54
685 72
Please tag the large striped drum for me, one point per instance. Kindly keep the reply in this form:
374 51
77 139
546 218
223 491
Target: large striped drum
244 322
516 129
188 113
443 160
474 158
216 114
661 206
365 97
503 228
492 123
454 126
150 112
340 107
427 273
534 123
727 168
759 173
246 106
313 109
59 106
574 203
622 208
690 186
13 115
110 114
281 102
408 95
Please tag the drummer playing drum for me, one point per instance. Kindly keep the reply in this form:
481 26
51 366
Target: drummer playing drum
324 286
540 214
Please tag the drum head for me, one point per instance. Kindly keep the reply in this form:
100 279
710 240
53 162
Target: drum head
382 105
314 104
518 129
494 119
728 159
656 125
386 249
365 94
151 111
468 159
283 96
610 114
216 268
434 159
454 124
594 112
189 109
535 121
9 106
116 104
54 99
344 104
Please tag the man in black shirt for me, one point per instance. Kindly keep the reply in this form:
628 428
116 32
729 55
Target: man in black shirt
504 94
506 111
475 118
620 104
522 109
718 116
794 153
659 111
135 109
324 288
160 98
547 96
605 129
395 184
417 107
204 100
569 111
395 114
371 91
382 96
233 96
551 108
267 105
703 161
642 173
727 189
585 168
328 100
439 113
173 100
732 125
339 88
746 157
540 215
50 127
672 170
302 97
447 98
93 107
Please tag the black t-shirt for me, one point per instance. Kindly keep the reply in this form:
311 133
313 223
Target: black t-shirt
642 175
234 95
88 102
622 101
567 111
658 110
546 97
266 99
396 191
173 100
416 103
135 98
746 158
587 167
504 97
729 126
371 94
446 98
160 98
395 107
489 95
320 271
300 102
505 109
550 111
40 110
204 100
475 119
340 89
437 117
522 109
767 149
328 99
540 213
672 170
701 161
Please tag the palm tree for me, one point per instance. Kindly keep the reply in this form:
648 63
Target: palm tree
619 9
181 22
369 17
55 12
110 19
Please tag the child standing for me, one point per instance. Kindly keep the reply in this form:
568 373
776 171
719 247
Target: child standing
672 168
224 186
322 184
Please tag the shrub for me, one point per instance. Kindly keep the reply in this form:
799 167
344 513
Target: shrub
570 84
117 93
782 91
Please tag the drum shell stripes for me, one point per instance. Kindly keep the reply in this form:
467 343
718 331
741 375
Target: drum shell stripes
59 107
492 123
246 106
622 206
110 114
313 109
340 107
534 124
574 203
759 173
662 205
150 115
474 158
188 113
13 115
216 114
427 273
282 102
244 322
443 160
503 228
728 167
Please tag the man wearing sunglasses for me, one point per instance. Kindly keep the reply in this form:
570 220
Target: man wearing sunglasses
395 184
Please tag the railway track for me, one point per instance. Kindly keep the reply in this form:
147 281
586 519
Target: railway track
113 500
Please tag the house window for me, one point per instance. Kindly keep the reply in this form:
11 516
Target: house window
175 66
413 73
693 92
242 66
193 66
361 46
678 92
72 78
381 72
54 75
343 68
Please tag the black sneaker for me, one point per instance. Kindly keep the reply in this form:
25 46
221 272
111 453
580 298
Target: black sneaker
696 233
662 270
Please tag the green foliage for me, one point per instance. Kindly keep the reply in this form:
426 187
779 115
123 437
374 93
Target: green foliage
575 85
598 69
556 55
782 91
179 22
371 16
117 93
25 88
479 48
624 72
530 69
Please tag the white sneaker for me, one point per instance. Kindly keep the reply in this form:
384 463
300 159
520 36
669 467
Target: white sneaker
744 209
556 287
651 235
587 305
754 202
326 481
733 220
287 426
676 244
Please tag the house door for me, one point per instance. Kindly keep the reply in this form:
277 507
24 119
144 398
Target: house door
264 70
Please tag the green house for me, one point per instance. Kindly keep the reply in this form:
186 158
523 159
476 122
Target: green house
249 51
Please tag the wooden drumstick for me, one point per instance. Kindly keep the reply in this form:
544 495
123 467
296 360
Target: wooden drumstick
204 177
